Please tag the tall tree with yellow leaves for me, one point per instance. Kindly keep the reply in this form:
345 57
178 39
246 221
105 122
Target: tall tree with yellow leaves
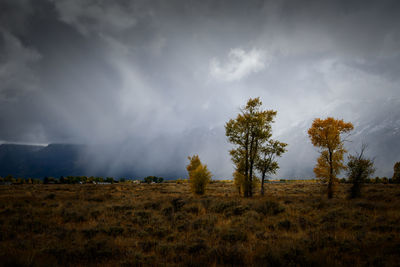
327 135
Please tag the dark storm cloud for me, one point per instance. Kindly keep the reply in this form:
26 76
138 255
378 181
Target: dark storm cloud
155 81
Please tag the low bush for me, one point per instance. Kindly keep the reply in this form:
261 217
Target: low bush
268 207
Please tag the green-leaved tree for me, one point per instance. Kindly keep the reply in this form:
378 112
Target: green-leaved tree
266 162
359 169
248 132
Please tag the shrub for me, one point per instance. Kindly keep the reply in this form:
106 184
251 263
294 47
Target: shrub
205 222
50 196
110 180
359 168
233 235
396 173
229 255
179 181
197 246
285 224
153 179
199 175
223 206
177 203
269 208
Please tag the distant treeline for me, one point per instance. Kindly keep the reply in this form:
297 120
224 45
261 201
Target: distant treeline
154 179
376 180
76 180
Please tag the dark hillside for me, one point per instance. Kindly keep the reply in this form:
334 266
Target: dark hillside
40 161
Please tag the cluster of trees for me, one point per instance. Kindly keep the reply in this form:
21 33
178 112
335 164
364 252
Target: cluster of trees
74 180
79 180
375 180
254 151
9 179
329 136
61 180
153 179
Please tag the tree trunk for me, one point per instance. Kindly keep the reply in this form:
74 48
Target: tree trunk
356 188
246 168
251 180
262 183
253 155
330 182
251 161
330 189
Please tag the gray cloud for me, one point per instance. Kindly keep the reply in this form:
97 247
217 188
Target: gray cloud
17 68
97 17
156 81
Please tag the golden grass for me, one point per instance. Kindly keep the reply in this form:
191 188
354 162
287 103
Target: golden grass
164 224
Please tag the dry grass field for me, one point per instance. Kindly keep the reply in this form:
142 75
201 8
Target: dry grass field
165 225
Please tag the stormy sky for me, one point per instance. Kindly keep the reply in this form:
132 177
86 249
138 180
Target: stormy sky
147 83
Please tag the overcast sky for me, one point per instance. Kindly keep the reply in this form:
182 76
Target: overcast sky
157 80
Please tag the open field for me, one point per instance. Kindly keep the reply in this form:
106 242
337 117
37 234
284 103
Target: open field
164 224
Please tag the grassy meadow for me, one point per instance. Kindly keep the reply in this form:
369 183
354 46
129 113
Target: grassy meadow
166 225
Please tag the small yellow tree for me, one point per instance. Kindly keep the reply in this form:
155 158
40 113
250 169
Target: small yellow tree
199 175
326 134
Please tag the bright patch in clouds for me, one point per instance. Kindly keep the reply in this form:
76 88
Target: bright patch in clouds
239 65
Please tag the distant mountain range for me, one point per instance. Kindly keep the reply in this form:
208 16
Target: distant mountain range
39 161
55 160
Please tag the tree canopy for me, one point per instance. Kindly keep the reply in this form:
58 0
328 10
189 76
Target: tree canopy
249 133
359 169
199 175
396 172
327 135
266 162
